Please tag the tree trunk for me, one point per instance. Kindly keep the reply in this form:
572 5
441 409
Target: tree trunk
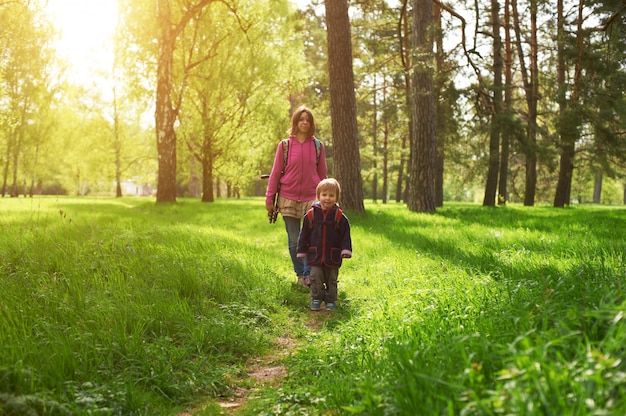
346 157
566 170
597 187
117 147
531 95
375 142
422 165
400 195
532 98
568 119
207 169
503 194
15 156
491 186
441 108
195 183
385 192
403 36
165 115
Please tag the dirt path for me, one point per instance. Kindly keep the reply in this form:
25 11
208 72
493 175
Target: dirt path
264 371
267 370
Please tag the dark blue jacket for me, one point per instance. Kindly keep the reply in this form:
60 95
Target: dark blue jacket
325 237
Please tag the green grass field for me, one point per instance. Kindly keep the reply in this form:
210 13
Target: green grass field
125 307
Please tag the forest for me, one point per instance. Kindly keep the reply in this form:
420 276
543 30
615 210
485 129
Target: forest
418 101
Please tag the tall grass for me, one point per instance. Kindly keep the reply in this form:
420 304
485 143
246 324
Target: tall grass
472 311
122 306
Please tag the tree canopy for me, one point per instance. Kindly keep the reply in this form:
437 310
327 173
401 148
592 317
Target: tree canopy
525 107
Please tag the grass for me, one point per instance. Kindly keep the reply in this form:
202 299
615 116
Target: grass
121 306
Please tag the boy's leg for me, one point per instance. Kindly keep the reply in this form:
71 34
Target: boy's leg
331 285
317 283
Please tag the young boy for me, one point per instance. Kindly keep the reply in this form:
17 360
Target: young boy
324 241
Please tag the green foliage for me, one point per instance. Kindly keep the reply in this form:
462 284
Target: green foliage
121 306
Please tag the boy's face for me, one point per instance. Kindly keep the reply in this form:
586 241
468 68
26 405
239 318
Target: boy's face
327 198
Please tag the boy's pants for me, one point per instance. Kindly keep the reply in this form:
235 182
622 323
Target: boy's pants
324 283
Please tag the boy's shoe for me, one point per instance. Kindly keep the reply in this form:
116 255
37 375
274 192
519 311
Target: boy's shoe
301 280
316 305
331 306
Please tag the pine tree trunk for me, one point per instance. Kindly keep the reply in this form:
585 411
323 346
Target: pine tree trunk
568 118
597 187
532 98
346 157
503 194
422 166
491 186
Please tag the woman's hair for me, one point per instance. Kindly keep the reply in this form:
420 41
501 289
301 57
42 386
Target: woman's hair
328 184
296 117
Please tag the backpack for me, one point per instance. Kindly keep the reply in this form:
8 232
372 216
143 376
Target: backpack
285 142
310 216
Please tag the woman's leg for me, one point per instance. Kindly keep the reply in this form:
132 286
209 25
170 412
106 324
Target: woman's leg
292 225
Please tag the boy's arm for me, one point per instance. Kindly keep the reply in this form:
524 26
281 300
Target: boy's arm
346 240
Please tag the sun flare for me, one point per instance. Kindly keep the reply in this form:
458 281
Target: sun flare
86 28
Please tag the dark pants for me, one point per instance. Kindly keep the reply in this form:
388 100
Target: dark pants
324 283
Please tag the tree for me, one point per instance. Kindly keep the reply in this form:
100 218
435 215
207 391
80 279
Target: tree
379 84
422 167
346 163
236 99
507 118
26 93
568 120
496 111
531 89
166 111
590 96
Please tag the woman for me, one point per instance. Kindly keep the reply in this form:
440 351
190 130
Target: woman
299 165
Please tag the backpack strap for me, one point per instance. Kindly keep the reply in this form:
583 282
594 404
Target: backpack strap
285 143
309 216
318 150
338 216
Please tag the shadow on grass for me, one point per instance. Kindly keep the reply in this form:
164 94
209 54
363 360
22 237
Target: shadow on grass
486 247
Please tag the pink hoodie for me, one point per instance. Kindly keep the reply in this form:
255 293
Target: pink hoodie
302 173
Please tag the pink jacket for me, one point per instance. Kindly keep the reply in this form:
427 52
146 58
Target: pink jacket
302 173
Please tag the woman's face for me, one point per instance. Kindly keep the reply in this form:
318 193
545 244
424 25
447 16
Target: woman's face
304 123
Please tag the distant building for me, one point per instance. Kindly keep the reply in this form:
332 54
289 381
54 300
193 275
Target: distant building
131 187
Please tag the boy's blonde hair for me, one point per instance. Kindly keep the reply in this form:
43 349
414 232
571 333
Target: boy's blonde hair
329 184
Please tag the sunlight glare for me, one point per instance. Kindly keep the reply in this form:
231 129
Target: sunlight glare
85 42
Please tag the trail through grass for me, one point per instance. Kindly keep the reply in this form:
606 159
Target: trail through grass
122 306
